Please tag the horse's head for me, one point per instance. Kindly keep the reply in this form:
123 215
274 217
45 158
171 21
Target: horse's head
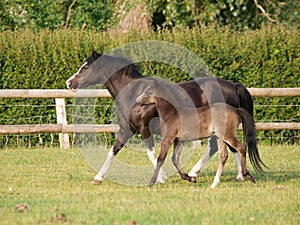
74 81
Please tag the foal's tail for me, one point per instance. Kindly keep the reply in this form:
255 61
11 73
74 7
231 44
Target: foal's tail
250 136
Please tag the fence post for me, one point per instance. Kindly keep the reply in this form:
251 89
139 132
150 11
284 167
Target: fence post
62 119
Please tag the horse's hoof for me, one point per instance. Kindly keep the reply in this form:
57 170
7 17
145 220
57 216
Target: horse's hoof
239 179
194 179
213 186
151 185
96 182
161 181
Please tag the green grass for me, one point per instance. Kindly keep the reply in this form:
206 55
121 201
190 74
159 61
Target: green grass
53 181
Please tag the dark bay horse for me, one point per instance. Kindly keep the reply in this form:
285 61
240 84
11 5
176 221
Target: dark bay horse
181 124
125 84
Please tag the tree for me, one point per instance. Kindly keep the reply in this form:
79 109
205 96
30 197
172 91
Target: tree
239 14
103 14
37 14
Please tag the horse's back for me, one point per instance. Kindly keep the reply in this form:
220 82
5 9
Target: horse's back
209 90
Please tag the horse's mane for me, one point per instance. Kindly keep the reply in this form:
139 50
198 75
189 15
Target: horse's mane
120 65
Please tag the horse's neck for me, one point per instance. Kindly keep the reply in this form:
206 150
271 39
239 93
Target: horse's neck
116 83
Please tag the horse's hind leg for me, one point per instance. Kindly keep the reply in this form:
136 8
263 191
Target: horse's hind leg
223 155
237 158
212 149
175 159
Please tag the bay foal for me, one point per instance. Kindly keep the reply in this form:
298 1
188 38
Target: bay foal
181 124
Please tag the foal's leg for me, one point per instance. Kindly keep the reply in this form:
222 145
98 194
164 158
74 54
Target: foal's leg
212 149
151 155
241 148
164 148
223 155
175 159
122 137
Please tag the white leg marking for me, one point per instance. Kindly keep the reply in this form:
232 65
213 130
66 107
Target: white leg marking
216 179
199 165
161 173
239 176
102 172
151 155
211 150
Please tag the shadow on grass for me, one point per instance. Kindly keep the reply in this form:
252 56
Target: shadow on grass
206 178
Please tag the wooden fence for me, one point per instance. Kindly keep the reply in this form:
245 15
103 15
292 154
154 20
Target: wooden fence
63 128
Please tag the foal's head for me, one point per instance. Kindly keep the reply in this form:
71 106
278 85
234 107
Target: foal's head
148 96
73 81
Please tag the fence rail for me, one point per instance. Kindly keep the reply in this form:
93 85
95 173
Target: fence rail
63 128
103 93
109 128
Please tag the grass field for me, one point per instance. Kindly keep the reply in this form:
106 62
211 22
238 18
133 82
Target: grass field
55 185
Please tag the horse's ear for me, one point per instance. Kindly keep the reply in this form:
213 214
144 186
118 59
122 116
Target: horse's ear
95 54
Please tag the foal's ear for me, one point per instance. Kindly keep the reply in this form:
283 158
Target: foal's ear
148 88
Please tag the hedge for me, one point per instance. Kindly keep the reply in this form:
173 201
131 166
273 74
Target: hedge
268 57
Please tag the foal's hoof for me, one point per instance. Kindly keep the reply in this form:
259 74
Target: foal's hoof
151 185
96 182
250 177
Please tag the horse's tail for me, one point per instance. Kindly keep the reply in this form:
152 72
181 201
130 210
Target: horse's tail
246 101
250 138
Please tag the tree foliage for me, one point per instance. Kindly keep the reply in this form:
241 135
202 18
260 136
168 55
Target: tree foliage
37 14
239 14
102 14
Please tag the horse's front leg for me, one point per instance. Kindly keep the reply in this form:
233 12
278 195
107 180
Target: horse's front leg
212 149
178 145
164 148
223 155
122 137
